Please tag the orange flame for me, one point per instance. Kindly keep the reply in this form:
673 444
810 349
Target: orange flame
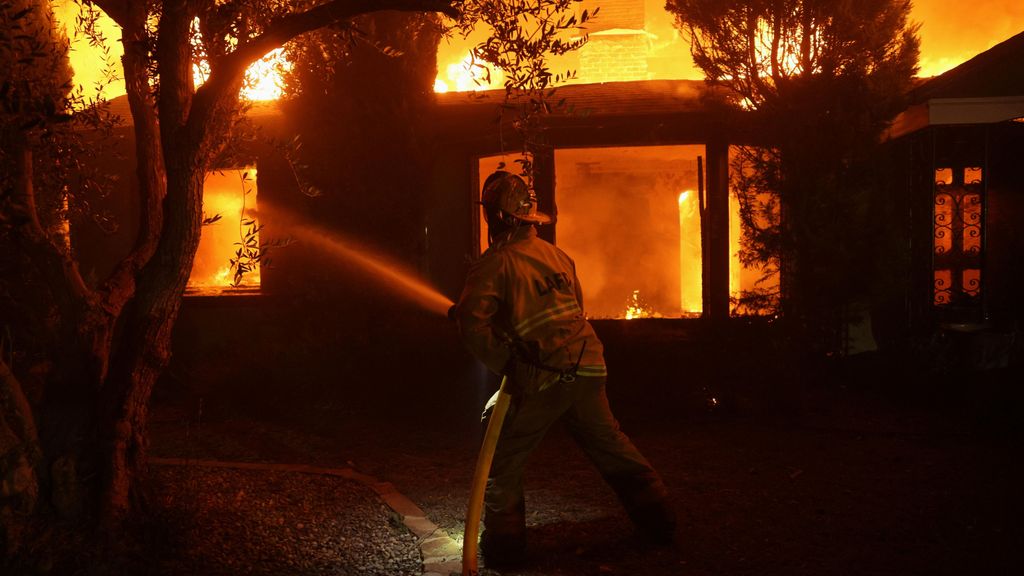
637 308
231 195
690 268
467 75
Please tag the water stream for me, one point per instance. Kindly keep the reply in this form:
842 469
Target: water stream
388 274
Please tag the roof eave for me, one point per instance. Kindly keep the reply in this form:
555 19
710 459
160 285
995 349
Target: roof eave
954 111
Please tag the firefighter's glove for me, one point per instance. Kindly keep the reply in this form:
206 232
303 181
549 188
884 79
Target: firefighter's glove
522 368
526 351
513 372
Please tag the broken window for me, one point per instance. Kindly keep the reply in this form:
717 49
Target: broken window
630 217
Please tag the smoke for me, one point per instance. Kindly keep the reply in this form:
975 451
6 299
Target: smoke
618 218
953 31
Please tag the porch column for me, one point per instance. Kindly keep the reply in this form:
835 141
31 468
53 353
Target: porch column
716 233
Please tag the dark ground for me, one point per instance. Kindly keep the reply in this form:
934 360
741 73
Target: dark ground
858 471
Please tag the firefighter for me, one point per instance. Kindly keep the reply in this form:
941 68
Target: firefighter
521 314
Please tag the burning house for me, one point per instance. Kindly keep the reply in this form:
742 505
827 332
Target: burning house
646 158
646 164
638 178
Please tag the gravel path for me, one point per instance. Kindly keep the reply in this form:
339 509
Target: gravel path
265 522
860 482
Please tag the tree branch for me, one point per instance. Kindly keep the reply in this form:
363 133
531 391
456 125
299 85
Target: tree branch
174 66
118 10
60 270
120 286
227 72
290 26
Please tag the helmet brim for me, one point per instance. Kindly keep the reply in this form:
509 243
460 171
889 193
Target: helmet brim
535 218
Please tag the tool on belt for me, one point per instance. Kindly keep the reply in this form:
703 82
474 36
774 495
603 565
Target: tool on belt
525 367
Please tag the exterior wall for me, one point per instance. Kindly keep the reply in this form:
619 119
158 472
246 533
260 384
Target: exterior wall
1004 240
99 248
997 149
986 333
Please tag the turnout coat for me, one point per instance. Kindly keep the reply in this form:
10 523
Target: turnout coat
524 290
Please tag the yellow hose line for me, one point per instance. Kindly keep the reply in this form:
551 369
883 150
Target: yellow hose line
483 469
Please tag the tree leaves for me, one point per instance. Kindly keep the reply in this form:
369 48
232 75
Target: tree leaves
525 33
824 78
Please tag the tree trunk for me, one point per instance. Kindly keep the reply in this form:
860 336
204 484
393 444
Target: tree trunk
19 461
88 455
144 349
20 455
47 378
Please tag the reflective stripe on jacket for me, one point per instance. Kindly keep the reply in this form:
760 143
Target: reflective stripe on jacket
527 288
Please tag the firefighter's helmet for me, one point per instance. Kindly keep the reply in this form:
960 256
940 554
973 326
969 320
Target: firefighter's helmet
507 193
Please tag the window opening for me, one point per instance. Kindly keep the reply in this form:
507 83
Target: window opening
958 225
230 235
629 217
746 281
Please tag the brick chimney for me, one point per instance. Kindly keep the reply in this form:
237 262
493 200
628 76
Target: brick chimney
618 45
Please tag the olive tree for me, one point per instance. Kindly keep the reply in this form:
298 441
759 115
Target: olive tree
79 359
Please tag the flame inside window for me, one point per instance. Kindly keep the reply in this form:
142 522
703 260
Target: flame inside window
630 218
746 278
691 273
636 307
229 204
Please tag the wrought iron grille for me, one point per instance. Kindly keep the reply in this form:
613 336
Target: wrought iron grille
958 242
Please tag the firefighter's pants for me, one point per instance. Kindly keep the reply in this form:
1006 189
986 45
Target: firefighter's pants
583 407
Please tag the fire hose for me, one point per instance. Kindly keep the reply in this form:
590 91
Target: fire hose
528 353
483 469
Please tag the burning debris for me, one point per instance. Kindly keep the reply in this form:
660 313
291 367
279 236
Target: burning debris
636 307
